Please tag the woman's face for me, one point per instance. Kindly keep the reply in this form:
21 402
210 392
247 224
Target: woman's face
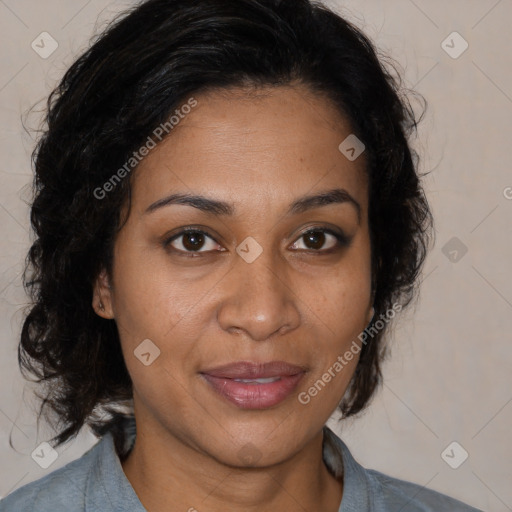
253 287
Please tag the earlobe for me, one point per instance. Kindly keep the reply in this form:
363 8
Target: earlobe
102 296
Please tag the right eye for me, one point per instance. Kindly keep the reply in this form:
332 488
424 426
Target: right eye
190 241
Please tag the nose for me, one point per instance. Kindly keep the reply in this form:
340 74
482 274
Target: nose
258 299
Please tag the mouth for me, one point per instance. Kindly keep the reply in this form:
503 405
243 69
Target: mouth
251 385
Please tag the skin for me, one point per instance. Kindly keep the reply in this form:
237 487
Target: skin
258 152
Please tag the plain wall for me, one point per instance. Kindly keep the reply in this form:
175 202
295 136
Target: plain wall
449 375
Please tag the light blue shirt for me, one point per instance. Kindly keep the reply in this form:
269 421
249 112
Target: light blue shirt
96 483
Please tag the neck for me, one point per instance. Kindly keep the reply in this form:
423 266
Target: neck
169 475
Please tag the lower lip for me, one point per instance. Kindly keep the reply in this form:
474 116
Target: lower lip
254 396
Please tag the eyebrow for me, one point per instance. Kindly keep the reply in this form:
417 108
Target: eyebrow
216 207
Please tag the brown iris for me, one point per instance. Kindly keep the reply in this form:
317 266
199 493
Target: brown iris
193 240
316 238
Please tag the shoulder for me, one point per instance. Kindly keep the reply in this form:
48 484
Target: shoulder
58 490
394 494
368 489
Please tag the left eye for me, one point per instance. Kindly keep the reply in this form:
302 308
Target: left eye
316 239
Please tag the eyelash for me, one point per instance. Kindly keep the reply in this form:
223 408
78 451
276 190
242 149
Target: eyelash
342 241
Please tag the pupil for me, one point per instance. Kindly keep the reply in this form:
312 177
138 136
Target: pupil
317 239
193 241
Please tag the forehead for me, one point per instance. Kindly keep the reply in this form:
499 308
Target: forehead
263 146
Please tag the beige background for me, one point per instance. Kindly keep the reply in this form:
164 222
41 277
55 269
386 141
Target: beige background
450 375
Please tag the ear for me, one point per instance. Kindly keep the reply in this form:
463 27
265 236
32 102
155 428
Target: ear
102 296
371 312
370 316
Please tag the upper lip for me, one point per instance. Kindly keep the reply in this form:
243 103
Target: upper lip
254 370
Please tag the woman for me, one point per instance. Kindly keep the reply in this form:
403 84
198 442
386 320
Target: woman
227 217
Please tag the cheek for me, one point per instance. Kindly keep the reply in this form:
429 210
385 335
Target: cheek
339 309
341 301
167 334
151 297
152 301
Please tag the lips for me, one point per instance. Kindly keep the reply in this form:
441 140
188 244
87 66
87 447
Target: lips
249 370
251 385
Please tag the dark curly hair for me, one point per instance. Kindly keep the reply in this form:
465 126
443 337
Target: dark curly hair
129 81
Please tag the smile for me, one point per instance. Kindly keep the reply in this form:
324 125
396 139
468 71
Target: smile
254 385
